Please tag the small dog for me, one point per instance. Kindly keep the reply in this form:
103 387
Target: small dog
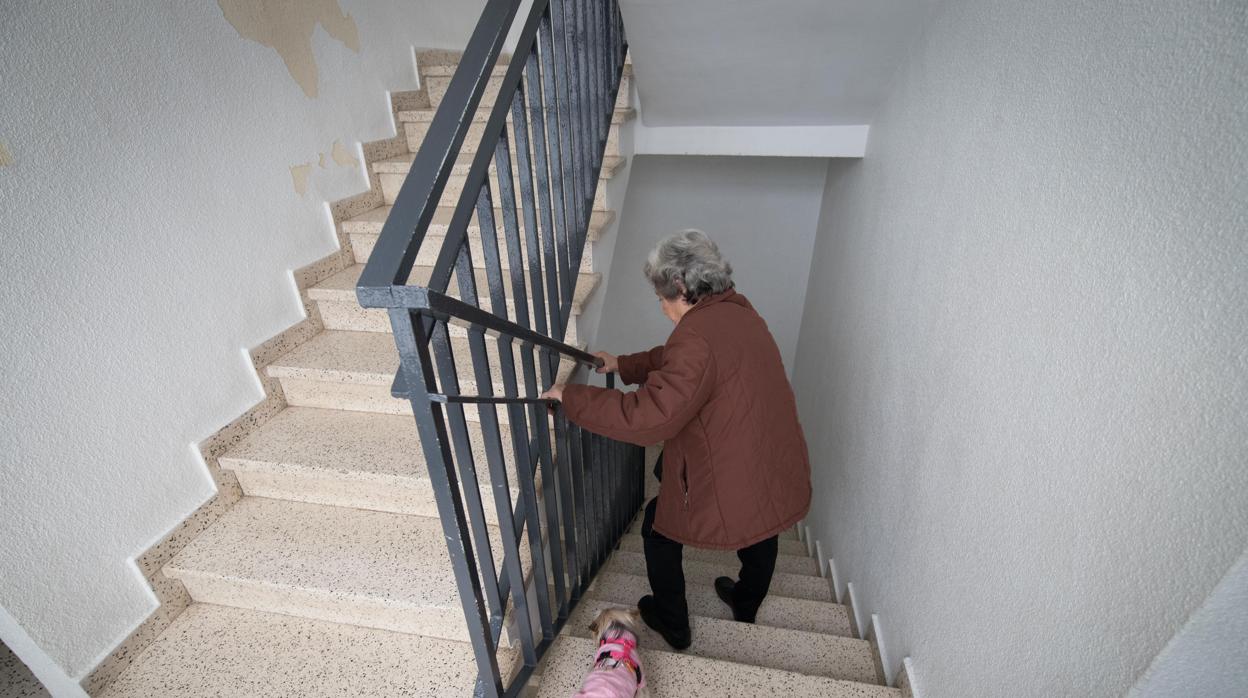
617 671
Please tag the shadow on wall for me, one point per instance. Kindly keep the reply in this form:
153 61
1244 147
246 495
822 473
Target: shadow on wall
762 212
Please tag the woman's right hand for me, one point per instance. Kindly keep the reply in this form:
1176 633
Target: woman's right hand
610 362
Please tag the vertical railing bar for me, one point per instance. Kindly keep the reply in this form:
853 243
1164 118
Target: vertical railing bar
551 505
511 227
575 466
532 514
488 417
550 107
444 357
594 520
568 143
600 82
489 247
532 236
563 464
418 371
588 142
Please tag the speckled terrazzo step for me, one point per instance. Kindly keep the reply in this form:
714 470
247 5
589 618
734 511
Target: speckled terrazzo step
212 651
369 568
366 227
789 560
352 459
354 370
672 675
335 298
803 652
777 611
436 86
392 171
798 586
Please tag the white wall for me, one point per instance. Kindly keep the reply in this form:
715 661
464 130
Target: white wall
762 213
1209 657
778 63
1022 367
150 222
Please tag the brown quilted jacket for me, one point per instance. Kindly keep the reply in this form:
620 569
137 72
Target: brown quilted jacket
735 467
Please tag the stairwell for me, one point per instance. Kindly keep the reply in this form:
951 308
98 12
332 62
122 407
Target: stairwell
331 576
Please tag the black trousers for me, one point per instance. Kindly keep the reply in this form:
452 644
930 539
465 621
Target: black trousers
665 568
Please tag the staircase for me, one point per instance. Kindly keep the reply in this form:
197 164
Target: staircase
802 644
331 575
334 573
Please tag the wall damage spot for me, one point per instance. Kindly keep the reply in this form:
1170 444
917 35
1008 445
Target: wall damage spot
301 173
5 158
324 165
342 156
287 25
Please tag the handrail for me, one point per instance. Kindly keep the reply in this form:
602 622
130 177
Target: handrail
547 129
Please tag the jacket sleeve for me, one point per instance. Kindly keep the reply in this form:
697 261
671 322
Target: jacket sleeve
635 367
672 395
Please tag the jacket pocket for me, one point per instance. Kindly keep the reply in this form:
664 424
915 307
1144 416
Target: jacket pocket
684 482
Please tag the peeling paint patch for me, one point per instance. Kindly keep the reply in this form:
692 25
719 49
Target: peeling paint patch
287 25
5 158
342 156
301 173
324 165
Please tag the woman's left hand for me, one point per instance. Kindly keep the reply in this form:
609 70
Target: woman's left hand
555 392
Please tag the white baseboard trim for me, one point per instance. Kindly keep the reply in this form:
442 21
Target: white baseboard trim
877 637
905 680
852 599
899 675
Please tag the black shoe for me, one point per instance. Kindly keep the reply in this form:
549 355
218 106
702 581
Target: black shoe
678 638
724 586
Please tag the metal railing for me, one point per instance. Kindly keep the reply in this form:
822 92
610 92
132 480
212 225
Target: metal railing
547 130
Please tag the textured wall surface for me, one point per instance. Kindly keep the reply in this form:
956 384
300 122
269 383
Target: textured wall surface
1209 657
1023 364
749 63
151 216
762 213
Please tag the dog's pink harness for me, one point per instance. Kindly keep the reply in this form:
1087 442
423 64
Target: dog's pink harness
612 683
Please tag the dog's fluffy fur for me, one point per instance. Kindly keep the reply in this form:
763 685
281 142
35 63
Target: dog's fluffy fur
613 623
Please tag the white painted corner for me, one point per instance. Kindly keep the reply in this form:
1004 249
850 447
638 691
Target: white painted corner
835 575
823 572
877 636
907 671
855 611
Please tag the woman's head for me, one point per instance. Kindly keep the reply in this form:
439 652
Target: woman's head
687 266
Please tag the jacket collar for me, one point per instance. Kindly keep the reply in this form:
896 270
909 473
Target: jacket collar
730 296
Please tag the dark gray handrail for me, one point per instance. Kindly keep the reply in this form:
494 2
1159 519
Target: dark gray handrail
563 495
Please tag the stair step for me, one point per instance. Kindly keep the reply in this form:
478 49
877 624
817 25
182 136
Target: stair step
436 86
446 70
210 651
391 173
777 611
799 651
415 132
669 674
369 568
798 586
400 164
344 370
340 309
785 561
351 459
365 228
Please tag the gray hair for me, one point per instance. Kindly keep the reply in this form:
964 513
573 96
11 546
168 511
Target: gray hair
688 259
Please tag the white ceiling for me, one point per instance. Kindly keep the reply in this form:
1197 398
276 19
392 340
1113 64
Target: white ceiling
767 63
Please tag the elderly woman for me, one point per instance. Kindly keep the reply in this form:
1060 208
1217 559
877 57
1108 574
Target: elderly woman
734 466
